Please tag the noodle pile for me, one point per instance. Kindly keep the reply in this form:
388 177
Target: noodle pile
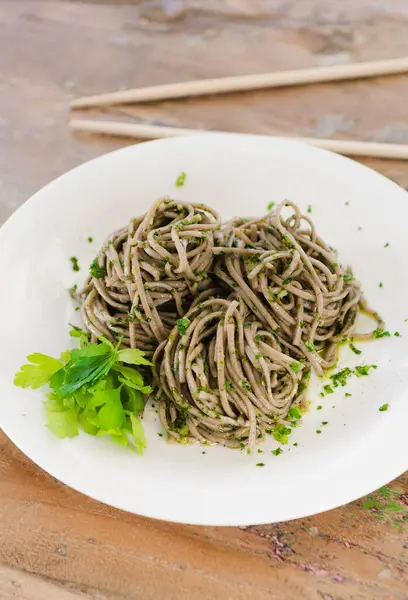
234 328
148 273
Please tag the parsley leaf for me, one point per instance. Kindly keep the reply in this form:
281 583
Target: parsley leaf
111 416
64 423
277 451
384 407
85 366
133 356
38 373
138 433
310 346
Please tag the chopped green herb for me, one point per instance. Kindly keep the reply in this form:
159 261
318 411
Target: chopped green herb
328 389
72 292
347 395
181 179
380 284
318 431
310 346
96 270
281 433
325 422
295 366
354 349
288 241
296 444
397 334
380 333
348 276
260 464
319 407
364 370
90 240
270 206
340 378
277 451
384 407
182 325
74 262
246 385
386 245
309 209
294 413
229 386
347 203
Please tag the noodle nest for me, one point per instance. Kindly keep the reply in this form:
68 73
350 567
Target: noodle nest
235 315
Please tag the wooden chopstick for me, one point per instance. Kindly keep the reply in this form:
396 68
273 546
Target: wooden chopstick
246 82
150 132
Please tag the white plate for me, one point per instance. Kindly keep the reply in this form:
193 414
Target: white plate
360 449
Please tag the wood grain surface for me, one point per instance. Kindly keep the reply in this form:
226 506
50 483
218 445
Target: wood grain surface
57 544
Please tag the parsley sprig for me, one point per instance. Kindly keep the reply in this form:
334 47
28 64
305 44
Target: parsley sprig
96 387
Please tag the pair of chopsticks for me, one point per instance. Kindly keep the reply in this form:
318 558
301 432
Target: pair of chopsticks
242 83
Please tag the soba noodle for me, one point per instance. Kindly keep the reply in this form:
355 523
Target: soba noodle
149 273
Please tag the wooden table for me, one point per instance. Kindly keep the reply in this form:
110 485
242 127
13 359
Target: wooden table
55 543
